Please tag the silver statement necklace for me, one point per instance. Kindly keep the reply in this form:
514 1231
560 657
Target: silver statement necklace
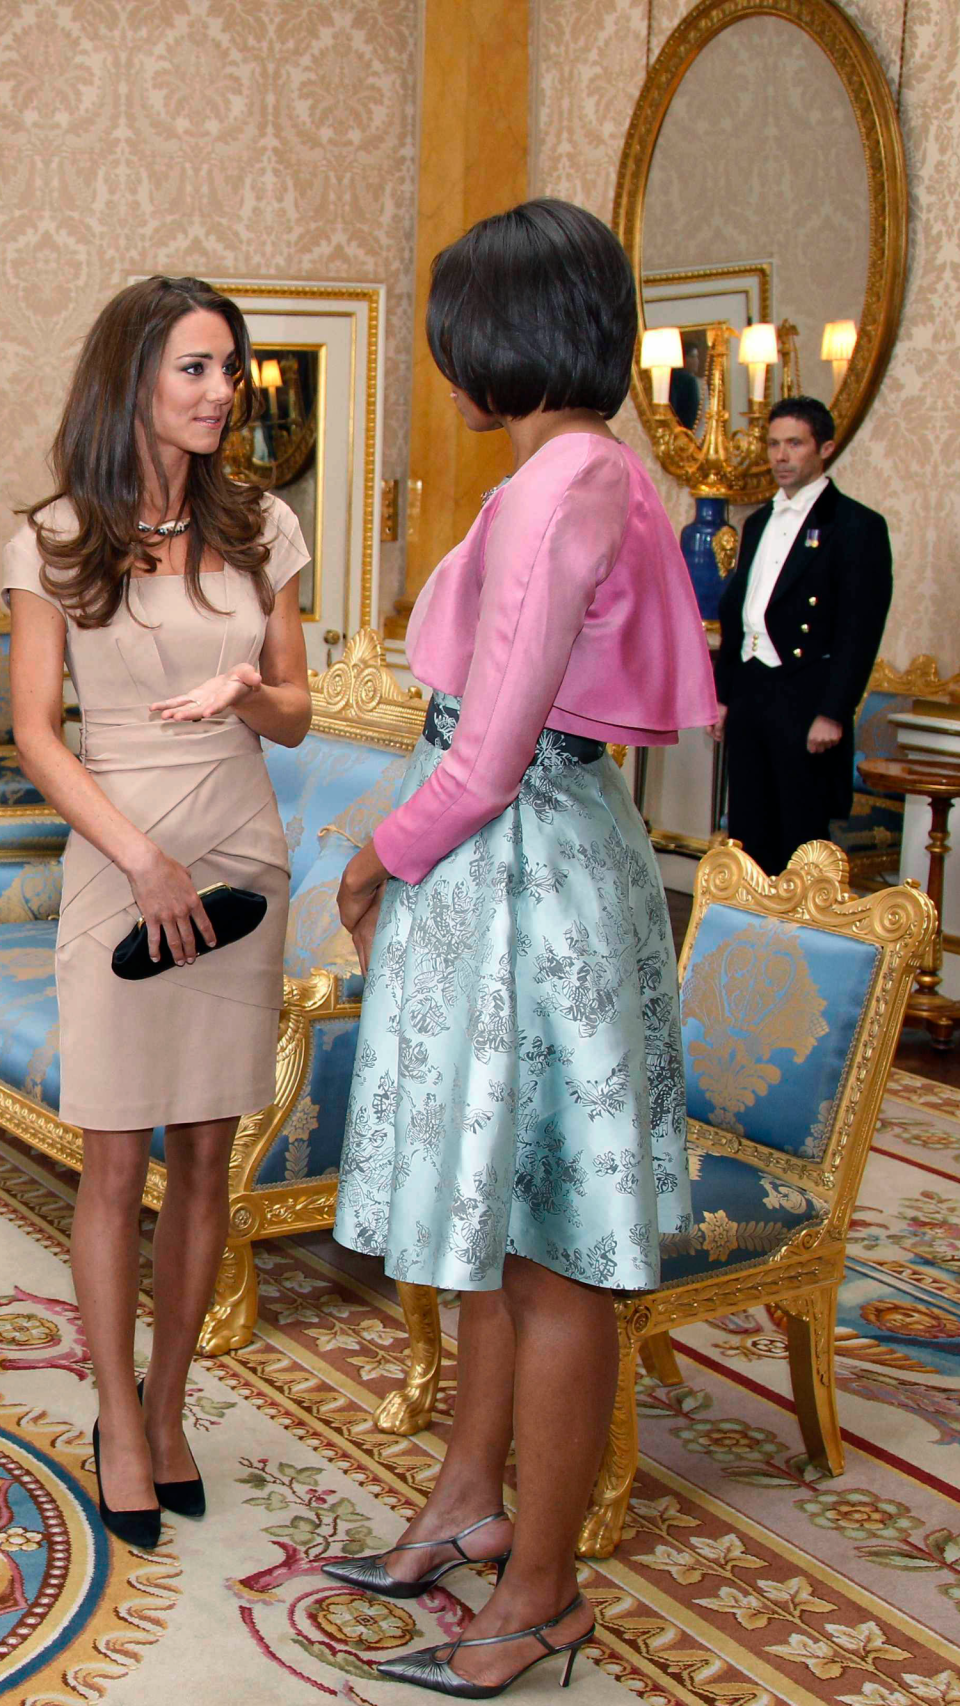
167 529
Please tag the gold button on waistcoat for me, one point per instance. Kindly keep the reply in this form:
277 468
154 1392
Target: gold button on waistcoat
804 627
798 651
811 601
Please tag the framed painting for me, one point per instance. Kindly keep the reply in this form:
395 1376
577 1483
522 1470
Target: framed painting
694 301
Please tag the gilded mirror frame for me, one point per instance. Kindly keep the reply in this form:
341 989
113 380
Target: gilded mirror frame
870 96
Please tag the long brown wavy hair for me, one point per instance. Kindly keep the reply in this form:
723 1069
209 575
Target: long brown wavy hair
96 463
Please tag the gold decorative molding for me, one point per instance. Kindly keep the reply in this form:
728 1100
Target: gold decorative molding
410 1408
676 841
869 94
389 512
921 679
18 814
697 275
31 853
725 543
232 1316
277 1209
359 698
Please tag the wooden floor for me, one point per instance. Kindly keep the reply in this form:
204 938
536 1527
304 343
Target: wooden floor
916 1053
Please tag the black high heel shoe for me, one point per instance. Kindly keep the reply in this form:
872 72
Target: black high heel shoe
425 1670
183 1498
135 1528
372 1575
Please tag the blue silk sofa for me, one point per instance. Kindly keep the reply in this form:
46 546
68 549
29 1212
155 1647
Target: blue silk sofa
17 793
32 834
332 791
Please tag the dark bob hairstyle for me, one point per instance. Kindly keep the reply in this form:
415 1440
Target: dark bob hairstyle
535 308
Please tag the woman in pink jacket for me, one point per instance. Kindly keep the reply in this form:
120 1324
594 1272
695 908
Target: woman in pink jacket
516 1128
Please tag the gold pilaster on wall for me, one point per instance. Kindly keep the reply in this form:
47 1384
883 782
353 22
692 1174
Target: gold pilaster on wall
473 162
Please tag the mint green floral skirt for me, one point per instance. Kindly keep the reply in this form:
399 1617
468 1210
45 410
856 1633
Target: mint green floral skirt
518 1086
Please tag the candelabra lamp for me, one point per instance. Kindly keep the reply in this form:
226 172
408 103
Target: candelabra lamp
722 466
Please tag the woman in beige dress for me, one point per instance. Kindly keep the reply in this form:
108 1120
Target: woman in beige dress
172 594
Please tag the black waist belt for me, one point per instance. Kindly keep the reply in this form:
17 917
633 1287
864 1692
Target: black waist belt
574 747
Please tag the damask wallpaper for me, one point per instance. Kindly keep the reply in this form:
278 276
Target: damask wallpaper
591 58
215 137
279 141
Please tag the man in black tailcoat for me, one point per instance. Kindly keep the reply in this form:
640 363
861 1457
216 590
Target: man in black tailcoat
800 626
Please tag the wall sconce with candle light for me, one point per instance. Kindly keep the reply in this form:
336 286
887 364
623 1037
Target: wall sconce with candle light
839 343
758 351
660 353
270 381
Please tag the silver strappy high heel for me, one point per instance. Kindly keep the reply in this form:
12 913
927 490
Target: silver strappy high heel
425 1670
372 1575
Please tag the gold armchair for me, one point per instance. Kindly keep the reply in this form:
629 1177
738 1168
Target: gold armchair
793 993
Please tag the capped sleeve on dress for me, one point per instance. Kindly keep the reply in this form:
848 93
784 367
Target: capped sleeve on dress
21 567
554 538
288 550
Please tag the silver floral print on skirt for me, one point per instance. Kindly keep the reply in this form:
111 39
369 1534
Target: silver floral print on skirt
518 1085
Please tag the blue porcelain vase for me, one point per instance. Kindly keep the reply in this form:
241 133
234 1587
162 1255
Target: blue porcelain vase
696 543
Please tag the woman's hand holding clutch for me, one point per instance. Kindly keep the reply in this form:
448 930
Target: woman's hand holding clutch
168 900
211 697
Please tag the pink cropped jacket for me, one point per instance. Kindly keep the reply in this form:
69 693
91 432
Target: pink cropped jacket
567 605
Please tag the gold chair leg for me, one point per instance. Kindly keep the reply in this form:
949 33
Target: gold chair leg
410 1409
232 1316
811 1320
659 1360
603 1524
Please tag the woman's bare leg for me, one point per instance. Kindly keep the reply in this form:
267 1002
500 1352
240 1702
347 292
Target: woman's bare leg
566 1376
469 1485
104 1254
187 1247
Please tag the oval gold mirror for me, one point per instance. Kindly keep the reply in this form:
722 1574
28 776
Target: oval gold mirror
762 181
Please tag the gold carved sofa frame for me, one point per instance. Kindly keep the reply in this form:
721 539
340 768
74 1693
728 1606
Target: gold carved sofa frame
358 702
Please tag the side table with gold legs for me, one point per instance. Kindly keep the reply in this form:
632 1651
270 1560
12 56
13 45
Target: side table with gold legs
940 784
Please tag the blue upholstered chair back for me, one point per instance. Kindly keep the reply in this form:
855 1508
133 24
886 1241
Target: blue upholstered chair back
771 1013
874 734
15 789
331 794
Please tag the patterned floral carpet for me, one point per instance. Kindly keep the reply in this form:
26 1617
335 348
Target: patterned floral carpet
744 1578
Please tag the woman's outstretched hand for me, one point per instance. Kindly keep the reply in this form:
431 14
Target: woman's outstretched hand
168 900
211 697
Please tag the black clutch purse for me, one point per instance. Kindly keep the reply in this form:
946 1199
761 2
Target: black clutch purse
232 912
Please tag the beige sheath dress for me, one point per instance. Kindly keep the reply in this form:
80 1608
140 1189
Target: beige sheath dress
197 1042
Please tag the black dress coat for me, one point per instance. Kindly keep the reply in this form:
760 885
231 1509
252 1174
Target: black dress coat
825 616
